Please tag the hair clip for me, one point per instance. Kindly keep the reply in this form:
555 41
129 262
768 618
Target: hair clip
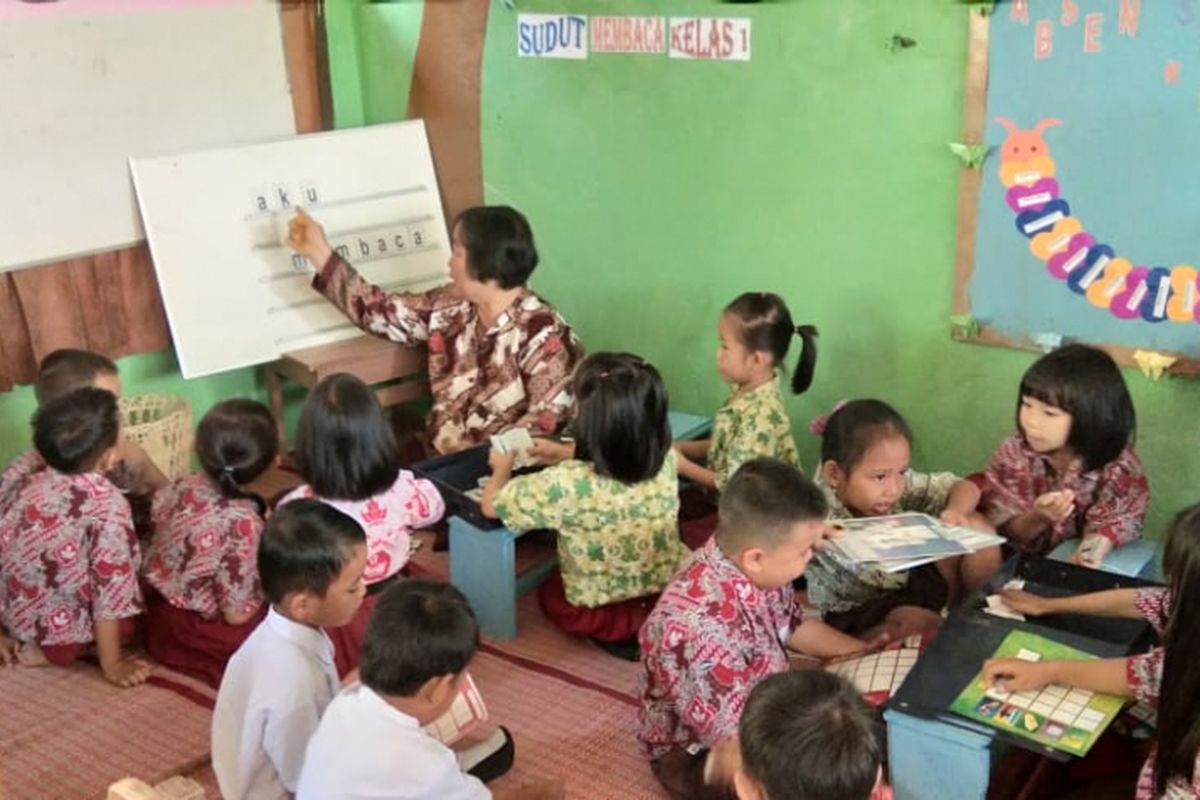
818 424
228 470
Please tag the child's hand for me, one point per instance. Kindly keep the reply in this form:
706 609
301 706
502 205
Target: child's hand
307 237
127 672
1015 674
501 463
1027 603
954 518
1091 551
1055 506
8 651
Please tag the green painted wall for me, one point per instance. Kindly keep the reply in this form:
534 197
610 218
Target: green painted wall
661 189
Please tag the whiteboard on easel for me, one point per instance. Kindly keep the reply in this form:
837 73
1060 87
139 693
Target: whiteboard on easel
84 86
234 293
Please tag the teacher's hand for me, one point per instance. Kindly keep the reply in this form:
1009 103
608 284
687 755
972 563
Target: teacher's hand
307 237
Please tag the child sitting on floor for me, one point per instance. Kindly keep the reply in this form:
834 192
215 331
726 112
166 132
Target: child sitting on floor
1165 678
69 557
755 331
203 598
809 735
614 500
1070 471
865 452
726 621
346 452
311 559
62 372
372 741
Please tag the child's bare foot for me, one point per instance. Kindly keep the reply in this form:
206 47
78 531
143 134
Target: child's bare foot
30 655
8 651
904 621
127 672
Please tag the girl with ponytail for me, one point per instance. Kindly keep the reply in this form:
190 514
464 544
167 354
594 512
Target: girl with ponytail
201 569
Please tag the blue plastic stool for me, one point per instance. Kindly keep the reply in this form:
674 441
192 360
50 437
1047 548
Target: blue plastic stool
1138 559
931 760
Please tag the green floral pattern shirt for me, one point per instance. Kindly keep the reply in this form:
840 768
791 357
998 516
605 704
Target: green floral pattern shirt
836 584
746 427
615 541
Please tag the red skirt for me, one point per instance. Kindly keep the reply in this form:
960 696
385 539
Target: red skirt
187 642
63 655
615 622
697 516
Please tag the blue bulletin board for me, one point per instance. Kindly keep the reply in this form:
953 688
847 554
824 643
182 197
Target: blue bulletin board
1083 222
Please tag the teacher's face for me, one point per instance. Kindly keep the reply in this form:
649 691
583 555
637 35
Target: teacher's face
460 275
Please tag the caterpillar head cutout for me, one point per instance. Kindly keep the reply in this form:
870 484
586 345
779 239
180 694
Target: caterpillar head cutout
1025 145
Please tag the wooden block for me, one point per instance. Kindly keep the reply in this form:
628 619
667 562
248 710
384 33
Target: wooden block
180 788
133 789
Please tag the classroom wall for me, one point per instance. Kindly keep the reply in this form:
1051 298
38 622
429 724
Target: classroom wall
661 189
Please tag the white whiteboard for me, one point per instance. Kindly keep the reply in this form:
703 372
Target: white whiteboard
84 86
235 295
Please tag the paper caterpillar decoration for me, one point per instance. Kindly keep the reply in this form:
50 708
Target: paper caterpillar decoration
1074 256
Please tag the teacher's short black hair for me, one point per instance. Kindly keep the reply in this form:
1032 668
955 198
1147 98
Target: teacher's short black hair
345 447
418 630
499 245
73 430
621 423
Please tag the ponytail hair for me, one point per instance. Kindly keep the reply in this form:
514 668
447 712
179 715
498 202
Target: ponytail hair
765 325
236 442
1179 698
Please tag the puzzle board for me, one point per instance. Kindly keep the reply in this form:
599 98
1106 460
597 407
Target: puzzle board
1058 716
878 675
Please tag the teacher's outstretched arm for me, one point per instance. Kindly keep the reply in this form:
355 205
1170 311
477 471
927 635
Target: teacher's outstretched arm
402 317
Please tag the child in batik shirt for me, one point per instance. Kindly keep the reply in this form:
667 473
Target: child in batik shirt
500 357
346 453
1070 471
725 622
68 553
204 597
1165 678
865 451
613 500
756 332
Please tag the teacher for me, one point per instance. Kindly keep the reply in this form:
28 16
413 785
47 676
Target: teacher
500 357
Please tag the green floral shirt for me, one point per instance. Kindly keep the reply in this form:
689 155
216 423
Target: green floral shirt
615 541
836 584
746 427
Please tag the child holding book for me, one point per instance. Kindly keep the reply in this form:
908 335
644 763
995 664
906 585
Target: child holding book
1069 472
726 621
372 740
865 472
346 453
69 557
203 597
613 498
1165 678
311 560
809 735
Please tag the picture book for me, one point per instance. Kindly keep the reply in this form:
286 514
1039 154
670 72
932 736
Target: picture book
1058 716
466 713
899 537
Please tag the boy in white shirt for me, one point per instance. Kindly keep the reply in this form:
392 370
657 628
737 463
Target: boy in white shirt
371 742
310 560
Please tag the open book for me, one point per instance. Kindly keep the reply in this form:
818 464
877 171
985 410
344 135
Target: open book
902 541
465 714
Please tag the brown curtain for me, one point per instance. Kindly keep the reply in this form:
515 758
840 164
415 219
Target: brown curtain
110 302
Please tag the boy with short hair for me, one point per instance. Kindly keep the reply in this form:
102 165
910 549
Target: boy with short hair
372 741
69 558
311 559
809 735
61 373
726 621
